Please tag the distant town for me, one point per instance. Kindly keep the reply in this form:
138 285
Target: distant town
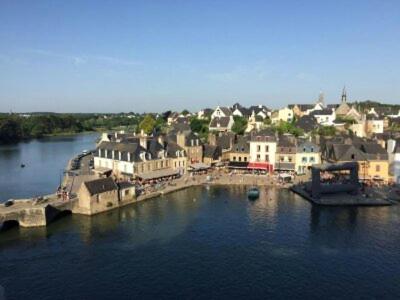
138 156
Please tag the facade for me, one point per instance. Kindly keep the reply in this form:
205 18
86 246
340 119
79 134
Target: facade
307 155
221 111
285 114
262 151
192 145
374 124
371 157
98 195
286 153
138 155
325 117
221 124
240 151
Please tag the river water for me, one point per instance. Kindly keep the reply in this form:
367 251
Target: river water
44 159
207 243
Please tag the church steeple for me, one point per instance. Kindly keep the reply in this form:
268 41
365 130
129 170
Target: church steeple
344 95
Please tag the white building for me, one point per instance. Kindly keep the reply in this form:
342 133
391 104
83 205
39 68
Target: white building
262 152
325 117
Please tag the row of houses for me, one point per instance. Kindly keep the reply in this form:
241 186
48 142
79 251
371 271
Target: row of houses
308 117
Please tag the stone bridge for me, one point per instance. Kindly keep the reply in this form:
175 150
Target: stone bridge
26 213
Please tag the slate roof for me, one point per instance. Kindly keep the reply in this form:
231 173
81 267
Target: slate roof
307 123
222 121
302 107
100 185
211 151
242 145
181 127
225 110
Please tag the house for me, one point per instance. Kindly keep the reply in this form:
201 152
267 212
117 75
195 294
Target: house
374 124
262 151
300 110
211 154
371 157
260 110
324 117
204 113
221 123
307 154
240 151
240 111
133 156
97 195
221 111
285 153
255 122
285 114
192 145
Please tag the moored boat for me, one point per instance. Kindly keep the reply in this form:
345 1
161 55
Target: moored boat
253 193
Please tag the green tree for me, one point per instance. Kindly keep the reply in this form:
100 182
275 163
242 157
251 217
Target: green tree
240 125
148 124
327 130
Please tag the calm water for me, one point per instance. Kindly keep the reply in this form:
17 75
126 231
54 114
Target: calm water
45 160
208 244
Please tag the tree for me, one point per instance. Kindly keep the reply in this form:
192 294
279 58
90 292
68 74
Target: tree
240 125
286 127
10 130
327 130
185 112
148 123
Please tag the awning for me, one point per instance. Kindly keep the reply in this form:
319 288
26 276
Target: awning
102 170
158 174
260 166
238 165
199 167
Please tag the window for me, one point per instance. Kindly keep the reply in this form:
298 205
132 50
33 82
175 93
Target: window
281 158
234 158
245 159
258 157
258 148
377 168
267 158
312 149
126 192
267 148
240 158
353 156
290 159
312 159
304 159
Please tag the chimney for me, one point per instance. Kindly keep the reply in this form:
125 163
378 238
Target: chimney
212 139
143 141
180 139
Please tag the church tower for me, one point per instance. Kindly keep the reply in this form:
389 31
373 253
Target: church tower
344 95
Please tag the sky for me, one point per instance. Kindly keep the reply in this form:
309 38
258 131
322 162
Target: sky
142 56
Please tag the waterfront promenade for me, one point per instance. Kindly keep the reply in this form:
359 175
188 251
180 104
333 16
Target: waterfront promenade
40 211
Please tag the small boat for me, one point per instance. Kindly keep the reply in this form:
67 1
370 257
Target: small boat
22 166
253 193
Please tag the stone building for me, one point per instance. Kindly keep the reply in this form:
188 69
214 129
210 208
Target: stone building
97 196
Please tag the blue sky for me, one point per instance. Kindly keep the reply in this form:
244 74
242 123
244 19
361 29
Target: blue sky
112 56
